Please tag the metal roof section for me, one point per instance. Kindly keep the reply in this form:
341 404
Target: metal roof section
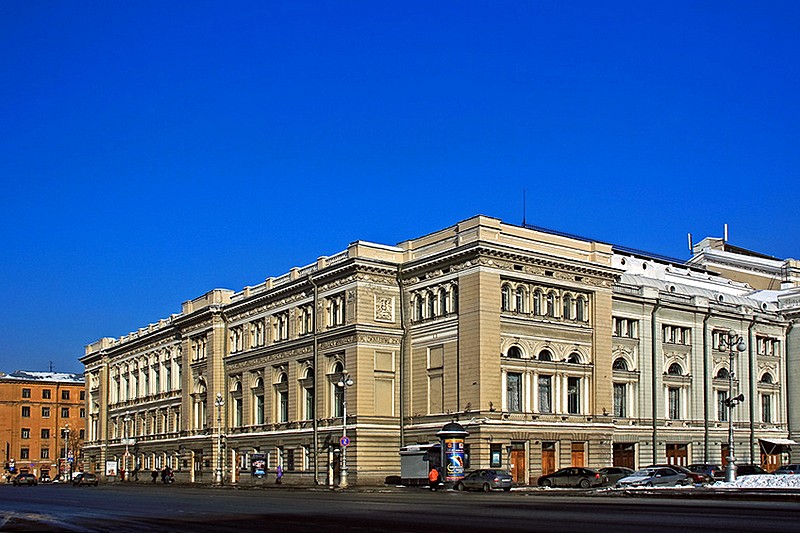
33 375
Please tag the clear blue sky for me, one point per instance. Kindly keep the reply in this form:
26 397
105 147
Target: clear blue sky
151 151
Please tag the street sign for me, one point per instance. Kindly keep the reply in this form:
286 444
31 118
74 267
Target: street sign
344 441
128 442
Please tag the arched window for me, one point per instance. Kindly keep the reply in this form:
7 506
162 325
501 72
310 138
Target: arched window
675 370
418 307
580 309
258 397
308 387
282 397
515 352
620 364
338 392
431 305
574 358
519 300
545 355
766 378
551 304
443 307
455 299
506 298
567 311
537 302
722 374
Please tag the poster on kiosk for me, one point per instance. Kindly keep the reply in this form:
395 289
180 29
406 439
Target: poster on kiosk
452 436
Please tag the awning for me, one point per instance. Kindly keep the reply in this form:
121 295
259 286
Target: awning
779 442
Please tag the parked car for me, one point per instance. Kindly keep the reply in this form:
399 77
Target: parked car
654 477
696 478
614 474
715 472
787 469
25 479
573 476
486 480
750 470
84 479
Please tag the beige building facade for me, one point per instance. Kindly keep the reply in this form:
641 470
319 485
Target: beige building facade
550 350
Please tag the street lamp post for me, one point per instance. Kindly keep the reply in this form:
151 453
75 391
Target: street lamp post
219 402
67 465
126 421
735 343
344 382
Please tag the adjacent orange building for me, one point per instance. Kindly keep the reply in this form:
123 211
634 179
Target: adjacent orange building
42 422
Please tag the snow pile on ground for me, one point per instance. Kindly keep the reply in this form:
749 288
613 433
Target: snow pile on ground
791 481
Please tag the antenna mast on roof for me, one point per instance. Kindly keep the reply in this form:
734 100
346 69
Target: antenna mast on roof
725 233
51 366
524 206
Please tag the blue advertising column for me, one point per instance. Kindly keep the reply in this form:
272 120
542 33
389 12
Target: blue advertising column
452 437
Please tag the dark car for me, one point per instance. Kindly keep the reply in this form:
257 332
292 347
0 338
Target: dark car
486 480
788 469
715 472
85 479
573 476
614 474
697 478
750 470
25 479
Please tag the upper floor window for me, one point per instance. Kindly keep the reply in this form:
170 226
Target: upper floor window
545 355
515 352
26 433
626 327
722 374
767 346
65 412
65 394
573 395
45 394
237 339
620 364
675 369
45 412
514 392
676 334
26 393
336 310
674 403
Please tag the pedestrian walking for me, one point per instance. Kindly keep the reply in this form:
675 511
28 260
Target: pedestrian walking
279 475
154 475
433 478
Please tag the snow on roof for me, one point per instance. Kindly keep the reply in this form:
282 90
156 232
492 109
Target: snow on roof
33 375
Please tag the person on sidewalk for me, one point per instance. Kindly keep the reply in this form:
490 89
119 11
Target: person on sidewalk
433 478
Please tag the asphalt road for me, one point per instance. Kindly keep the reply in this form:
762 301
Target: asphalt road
144 507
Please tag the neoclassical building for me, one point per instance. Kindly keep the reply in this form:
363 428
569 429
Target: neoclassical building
549 349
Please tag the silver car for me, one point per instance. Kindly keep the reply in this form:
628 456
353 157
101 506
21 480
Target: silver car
486 480
654 477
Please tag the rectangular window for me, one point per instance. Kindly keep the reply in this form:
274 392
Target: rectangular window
495 455
620 399
260 409
45 412
83 395
65 395
83 412
722 406
24 453
626 327
65 412
545 394
26 411
290 459
573 395
766 408
309 411
676 335
26 393
45 394
674 395
45 453
26 433
283 406
514 392
45 433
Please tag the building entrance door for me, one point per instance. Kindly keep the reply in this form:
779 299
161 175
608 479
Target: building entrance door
578 453
623 455
548 458
677 454
518 469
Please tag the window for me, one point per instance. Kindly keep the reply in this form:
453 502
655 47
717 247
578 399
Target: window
514 392
515 352
282 389
567 311
83 395
65 394
45 394
83 412
722 374
675 370
676 335
766 408
26 393
551 304
620 364
45 453
674 396
722 406
626 327
767 346
620 399
545 394
258 393
26 433
308 390
24 453
26 411
45 433
573 395
580 309
289 460
338 392
519 300
65 412
545 355
336 310
537 302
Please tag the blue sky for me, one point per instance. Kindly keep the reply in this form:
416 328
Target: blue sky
151 151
